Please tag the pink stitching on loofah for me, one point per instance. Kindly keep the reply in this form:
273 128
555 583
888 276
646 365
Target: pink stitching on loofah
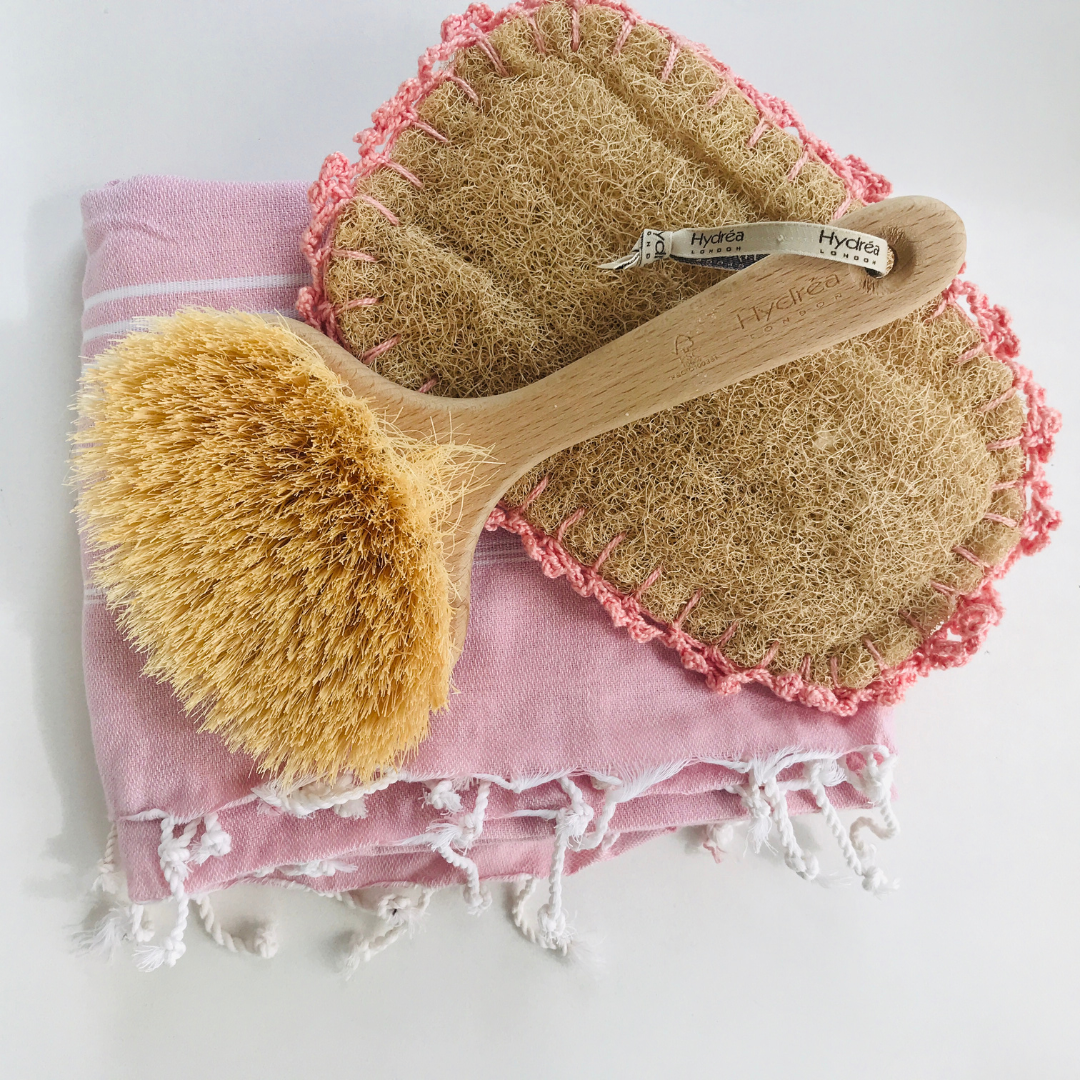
388 162
538 38
535 494
669 64
377 350
804 157
569 523
625 31
770 656
842 209
756 134
611 545
976 612
971 353
687 608
438 136
492 54
429 385
651 580
971 557
388 214
469 92
362 301
718 96
945 590
1001 519
913 622
869 646
1010 393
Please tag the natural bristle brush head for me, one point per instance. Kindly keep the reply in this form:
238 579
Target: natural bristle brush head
271 545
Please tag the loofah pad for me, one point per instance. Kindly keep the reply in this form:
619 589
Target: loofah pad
267 543
820 528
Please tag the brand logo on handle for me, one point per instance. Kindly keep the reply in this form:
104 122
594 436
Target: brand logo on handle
796 303
689 361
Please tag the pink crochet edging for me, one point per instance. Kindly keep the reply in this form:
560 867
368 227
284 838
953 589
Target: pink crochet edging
953 643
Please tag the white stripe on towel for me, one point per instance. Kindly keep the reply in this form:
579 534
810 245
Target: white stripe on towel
168 288
116 328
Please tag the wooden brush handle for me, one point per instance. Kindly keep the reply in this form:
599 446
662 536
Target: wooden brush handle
780 309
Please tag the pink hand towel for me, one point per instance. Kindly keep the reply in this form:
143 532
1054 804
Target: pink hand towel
566 743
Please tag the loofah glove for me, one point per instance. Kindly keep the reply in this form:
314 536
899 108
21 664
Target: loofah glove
815 528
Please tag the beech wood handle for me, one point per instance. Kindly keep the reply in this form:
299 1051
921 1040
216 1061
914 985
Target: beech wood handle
782 308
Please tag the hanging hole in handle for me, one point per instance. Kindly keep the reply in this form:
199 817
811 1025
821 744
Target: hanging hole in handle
890 262
901 259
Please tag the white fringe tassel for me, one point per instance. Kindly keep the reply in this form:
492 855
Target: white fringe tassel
174 855
121 921
304 797
399 912
262 941
765 797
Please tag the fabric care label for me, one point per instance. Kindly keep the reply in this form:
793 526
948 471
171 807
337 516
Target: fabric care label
734 247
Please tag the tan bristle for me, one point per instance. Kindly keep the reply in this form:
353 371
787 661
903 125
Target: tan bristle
271 545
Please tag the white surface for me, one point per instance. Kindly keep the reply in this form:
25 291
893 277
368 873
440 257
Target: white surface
969 970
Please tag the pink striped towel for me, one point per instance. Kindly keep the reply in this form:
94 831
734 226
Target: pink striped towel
567 741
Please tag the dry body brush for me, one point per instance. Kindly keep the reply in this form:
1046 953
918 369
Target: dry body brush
822 518
229 479
288 536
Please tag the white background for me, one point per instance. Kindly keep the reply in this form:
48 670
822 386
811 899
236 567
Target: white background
970 970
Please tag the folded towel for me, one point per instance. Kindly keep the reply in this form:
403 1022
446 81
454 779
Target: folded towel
566 742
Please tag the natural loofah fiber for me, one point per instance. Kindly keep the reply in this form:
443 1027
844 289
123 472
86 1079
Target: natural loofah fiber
821 519
271 545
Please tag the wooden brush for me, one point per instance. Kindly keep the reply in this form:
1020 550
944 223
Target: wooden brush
289 536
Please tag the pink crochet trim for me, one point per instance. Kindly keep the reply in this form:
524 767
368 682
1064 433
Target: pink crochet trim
952 644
